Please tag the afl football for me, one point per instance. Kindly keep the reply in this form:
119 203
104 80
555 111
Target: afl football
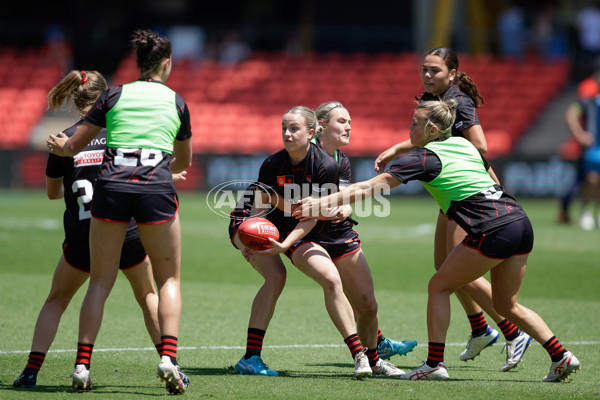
255 233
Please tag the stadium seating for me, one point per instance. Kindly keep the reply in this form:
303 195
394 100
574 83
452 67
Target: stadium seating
238 109
26 76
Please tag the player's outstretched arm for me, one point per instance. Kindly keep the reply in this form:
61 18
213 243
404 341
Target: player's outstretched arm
388 155
64 146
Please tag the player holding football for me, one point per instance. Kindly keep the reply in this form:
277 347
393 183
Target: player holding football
442 81
73 179
304 163
273 271
333 246
499 234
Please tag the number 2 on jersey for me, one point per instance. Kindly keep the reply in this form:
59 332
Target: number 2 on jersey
84 191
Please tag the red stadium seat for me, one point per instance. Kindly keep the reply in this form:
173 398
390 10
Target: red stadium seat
239 110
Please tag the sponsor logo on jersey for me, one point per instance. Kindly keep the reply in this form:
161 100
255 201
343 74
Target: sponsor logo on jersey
87 158
285 179
98 142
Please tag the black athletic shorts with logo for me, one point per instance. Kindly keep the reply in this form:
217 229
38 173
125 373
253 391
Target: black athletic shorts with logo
77 254
145 208
505 241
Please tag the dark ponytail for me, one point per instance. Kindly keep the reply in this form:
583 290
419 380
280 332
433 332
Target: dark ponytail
150 50
468 87
463 81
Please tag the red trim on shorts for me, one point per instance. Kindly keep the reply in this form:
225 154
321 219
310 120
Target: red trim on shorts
485 255
232 243
163 221
109 220
72 266
235 231
346 254
134 265
291 251
158 222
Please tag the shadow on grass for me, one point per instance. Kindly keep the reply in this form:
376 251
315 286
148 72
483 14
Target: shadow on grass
38 389
199 372
100 389
347 373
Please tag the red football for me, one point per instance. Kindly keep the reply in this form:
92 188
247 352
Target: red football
255 233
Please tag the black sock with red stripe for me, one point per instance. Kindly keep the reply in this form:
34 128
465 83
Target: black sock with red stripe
435 354
509 330
35 361
372 356
84 354
353 343
169 348
254 342
478 324
554 349
159 348
380 337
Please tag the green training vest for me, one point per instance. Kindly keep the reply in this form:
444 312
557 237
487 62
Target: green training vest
145 116
463 172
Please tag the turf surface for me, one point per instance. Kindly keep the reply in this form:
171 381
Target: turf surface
561 284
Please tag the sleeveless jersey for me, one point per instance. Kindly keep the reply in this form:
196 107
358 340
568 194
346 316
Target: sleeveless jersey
135 122
143 119
463 173
458 180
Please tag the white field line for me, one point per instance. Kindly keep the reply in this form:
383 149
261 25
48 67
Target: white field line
286 346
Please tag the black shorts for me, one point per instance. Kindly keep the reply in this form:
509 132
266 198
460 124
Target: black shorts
236 218
514 238
77 254
335 250
146 208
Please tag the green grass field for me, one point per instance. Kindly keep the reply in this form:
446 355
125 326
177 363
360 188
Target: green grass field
562 284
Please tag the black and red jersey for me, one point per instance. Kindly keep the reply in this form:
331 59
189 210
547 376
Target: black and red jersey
79 175
466 113
317 175
343 162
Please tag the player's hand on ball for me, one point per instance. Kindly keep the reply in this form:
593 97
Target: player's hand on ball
248 253
276 248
